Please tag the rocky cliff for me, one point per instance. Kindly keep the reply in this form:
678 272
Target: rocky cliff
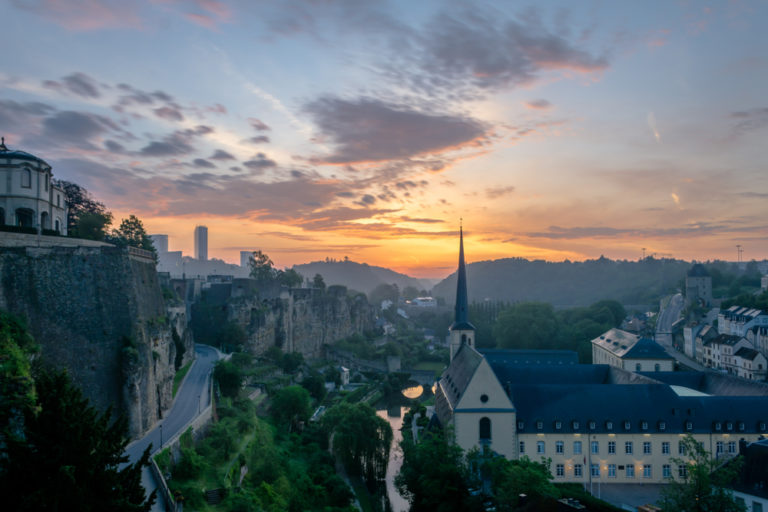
99 312
300 320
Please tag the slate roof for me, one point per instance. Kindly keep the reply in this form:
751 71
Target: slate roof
723 339
458 374
530 357
461 317
646 349
747 353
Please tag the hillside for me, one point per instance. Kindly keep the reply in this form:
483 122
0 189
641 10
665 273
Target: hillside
359 276
569 283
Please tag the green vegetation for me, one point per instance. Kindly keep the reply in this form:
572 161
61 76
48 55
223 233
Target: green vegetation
86 217
180 374
57 451
131 233
704 483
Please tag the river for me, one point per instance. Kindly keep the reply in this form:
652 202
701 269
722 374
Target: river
394 416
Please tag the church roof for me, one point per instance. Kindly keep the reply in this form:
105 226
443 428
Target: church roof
647 349
527 358
458 374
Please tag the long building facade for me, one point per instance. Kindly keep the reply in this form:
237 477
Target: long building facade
594 422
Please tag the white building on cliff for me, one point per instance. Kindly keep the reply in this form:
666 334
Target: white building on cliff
28 196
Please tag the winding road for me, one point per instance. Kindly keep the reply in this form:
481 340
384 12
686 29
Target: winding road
191 398
668 315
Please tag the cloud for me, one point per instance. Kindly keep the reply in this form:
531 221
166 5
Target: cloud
259 139
540 104
113 146
496 192
750 120
14 115
176 144
169 113
78 83
372 130
201 162
220 154
84 15
76 128
405 218
258 125
690 230
260 162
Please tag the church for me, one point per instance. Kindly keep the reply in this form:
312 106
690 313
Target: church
595 422
30 200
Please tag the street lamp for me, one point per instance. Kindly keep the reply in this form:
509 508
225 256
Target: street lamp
161 436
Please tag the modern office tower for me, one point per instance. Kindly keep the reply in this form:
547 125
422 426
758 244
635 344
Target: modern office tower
245 258
201 243
160 242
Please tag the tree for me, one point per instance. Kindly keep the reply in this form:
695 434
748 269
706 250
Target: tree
71 456
703 487
229 377
290 278
291 406
511 478
291 362
132 233
232 337
410 292
262 268
318 282
86 217
527 325
384 292
434 474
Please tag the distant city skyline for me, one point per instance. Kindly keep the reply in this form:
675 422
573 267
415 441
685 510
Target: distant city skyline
331 129
201 243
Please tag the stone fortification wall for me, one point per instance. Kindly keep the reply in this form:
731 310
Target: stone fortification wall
99 313
300 320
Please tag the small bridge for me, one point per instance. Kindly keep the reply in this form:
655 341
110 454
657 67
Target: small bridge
348 360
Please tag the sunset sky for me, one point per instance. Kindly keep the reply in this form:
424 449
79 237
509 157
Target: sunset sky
367 129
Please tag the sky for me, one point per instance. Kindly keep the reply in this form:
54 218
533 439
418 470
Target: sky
371 129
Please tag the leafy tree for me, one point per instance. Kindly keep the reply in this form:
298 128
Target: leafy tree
290 406
232 337
384 292
434 474
86 217
315 384
70 457
262 268
702 488
291 362
410 292
229 377
510 478
17 386
132 233
318 282
361 439
290 278
527 325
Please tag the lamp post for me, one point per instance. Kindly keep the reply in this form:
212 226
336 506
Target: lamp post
161 436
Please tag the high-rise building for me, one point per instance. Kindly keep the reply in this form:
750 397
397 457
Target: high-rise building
201 243
160 242
245 258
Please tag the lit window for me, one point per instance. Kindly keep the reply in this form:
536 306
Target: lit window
577 447
647 448
611 446
559 447
560 470
628 447
539 446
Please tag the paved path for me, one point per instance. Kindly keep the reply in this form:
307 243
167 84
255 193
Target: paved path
191 398
668 315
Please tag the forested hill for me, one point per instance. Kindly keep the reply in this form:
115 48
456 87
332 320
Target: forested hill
569 283
359 276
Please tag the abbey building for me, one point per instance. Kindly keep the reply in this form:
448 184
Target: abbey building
595 422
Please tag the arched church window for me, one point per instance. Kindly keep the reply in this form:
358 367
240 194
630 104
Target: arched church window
2 217
463 338
26 178
57 227
485 429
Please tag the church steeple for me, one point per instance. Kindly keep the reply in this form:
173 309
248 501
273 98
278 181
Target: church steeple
461 330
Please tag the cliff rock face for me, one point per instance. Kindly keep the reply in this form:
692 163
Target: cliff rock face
99 313
300 320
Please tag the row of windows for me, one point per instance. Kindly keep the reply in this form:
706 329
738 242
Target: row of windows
612 470
661 426
629 447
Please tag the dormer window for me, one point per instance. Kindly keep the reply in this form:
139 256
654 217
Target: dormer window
729 426
688 425
539 425
608 425
644 425
761 426
718 426
662 426
742 427
627 425
520 425
575 425
558 425
592 425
